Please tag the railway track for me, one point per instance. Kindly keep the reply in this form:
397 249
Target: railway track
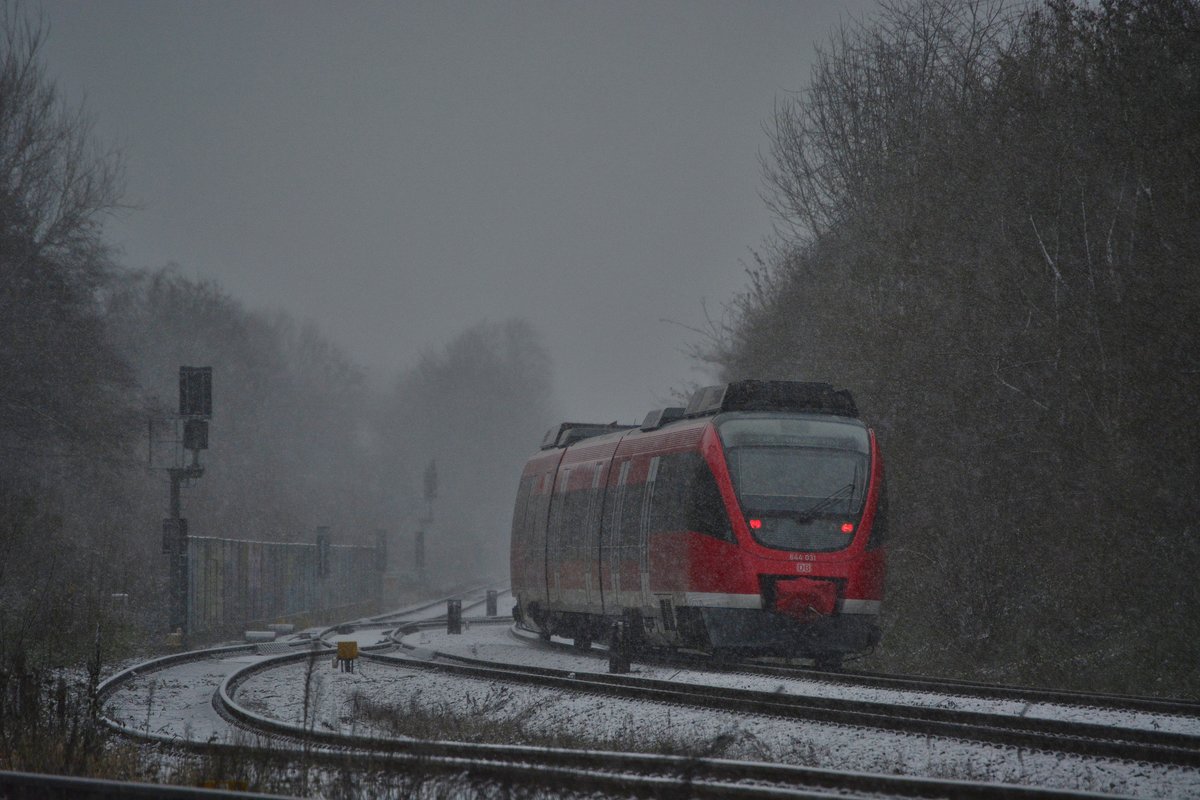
621 773
1025 700
1090 740
613 772
952 686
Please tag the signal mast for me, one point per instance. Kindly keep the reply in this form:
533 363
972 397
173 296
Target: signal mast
195 410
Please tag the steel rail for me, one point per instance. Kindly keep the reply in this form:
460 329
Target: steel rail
641 775
1085 739
956 686
624 773
110 685
392 616
933 685
293 747
396 617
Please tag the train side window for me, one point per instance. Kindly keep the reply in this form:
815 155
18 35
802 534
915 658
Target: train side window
648 496
704 506
670 486
631 515
611 513
592 512
539 507
518 523
575 506
558 502
686 498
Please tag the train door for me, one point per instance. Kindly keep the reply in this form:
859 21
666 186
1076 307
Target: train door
631 539
643 525
610 538
558 553
519 564
537 516
590 542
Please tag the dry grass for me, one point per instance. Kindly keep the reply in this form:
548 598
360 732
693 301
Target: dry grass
493 717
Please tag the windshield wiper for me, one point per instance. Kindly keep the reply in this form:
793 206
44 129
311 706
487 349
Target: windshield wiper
810 513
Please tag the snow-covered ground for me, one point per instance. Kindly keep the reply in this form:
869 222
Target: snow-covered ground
498 643
595 721
177 702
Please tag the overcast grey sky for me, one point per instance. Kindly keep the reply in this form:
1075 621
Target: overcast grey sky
397 172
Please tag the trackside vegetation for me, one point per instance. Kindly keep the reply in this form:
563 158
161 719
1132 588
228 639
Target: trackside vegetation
988 227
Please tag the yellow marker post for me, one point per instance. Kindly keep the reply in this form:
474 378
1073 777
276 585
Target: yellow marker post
347 653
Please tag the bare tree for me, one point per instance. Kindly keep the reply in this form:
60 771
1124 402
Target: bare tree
988 229
65 419
61 393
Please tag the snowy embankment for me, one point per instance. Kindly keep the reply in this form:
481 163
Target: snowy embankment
338 701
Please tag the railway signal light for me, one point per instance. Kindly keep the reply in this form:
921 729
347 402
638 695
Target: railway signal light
195 434
195 392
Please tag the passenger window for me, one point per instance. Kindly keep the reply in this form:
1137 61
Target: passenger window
631 515
518 522
613 502
686 498
705 508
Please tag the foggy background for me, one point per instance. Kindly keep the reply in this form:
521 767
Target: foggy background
398 233
397 172
418 232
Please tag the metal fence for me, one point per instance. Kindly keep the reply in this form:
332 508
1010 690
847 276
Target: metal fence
235 583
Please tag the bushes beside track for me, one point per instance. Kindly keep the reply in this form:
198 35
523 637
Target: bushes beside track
988 231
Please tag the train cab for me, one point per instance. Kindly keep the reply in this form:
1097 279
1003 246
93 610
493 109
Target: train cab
752 521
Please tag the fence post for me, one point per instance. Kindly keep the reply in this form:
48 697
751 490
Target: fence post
324 591
454 616
381 561
491 602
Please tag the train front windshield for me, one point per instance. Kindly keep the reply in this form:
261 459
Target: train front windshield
801 480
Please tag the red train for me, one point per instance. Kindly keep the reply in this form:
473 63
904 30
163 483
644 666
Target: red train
753 521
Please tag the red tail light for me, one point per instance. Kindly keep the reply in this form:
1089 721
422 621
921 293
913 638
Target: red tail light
847 527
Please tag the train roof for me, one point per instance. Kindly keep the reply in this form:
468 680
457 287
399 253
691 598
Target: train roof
566 434
792 396
747 395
